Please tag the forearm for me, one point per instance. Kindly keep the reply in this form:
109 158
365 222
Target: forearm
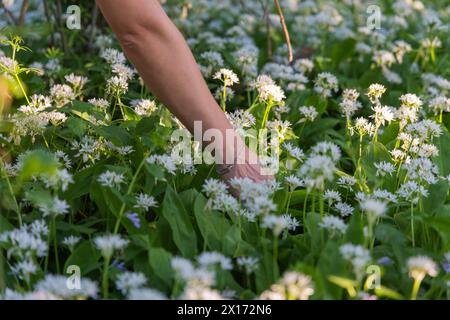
163 59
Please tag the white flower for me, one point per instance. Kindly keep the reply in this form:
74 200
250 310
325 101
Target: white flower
332 196
333 223
325 84
344 209
145 202
55 208
61 94
227 76
373 208
99 103
293 286
57 286
77 82
420 266
213 187
327 148
165 161
411 191
276 223
214 258
308 113
108 243
375 92
294 151
144 107
145 294
111 179
71 241
346 182
128 281
249 264
384 168
271 92
317 170
357 255
294 182
116 85
382 114
113 56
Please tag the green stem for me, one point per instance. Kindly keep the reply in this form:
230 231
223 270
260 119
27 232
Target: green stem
55 245
130 189
415 289
412 225
105 278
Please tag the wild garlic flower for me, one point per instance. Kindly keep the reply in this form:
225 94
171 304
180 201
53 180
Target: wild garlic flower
384 168
326 148
411 191
213 187
144 107
308 114
277 223
375 92
316 170
346 182
55 208
344 209
187 272
109 243
382 114
164 161
29 240
364 127
358 256
128 281
374 209
71 241
113 56
294 151
116 86
145 202
439 104
88 148
333 224
227 76
294 182
325 84
271 93
303 65
293 286
102 104
77 82
207 259
122 71
111 179
61 94
57 286
332 196
421 266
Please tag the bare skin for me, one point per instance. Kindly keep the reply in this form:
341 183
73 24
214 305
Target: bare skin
163 59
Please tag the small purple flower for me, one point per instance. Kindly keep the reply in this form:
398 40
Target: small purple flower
134 217
385 261
119 265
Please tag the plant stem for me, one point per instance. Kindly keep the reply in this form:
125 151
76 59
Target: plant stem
275 258
285 31
130 189
55 245
415 289
412 225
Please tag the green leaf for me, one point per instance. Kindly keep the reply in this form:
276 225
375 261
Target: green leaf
159 260
213 226
182 230
85 256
